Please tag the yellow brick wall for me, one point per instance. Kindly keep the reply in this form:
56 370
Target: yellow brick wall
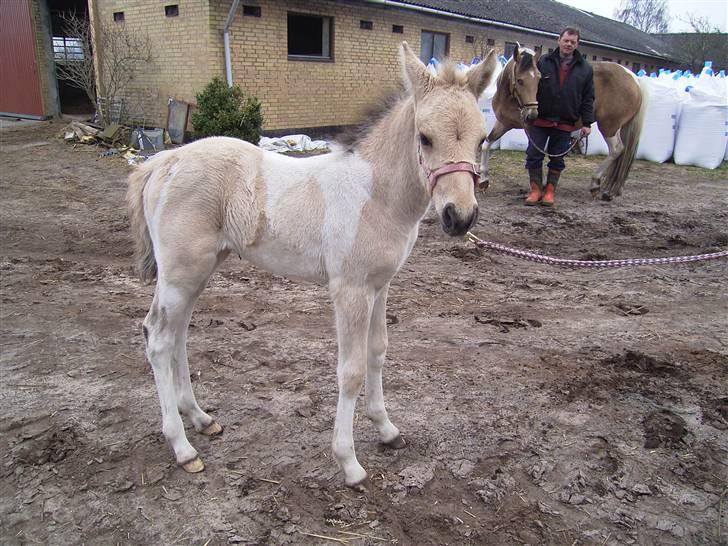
179 68
293 93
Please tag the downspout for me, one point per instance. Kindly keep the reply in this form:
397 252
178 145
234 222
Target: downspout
226 41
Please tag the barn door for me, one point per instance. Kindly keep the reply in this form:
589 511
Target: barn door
20 88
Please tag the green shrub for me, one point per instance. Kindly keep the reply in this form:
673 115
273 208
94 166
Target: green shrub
227 111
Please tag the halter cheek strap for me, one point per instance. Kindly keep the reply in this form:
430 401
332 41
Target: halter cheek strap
449 167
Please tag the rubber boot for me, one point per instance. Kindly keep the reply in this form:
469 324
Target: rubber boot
552 178
535 177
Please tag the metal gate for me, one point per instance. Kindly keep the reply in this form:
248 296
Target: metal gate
19 79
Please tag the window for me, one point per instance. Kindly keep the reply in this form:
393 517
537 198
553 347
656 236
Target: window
366 25
433 44
594 57
509 49
309 36
551 50
607 59
251 11
469 39
171 11
118 17
67 49
397 29
490 41
636 67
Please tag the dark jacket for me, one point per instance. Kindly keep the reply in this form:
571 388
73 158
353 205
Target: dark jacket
575 100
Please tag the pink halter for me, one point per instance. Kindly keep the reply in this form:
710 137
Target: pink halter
449 167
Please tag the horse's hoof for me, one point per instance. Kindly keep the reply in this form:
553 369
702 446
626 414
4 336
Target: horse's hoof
360 486
396 443
483 185
213 429
194 466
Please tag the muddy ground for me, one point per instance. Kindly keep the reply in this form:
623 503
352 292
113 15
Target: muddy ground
540 405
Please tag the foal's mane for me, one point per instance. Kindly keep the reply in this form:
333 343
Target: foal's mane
447 73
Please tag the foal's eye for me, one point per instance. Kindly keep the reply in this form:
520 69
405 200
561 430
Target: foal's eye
424 140
520 81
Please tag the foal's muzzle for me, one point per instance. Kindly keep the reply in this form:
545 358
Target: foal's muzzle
455 222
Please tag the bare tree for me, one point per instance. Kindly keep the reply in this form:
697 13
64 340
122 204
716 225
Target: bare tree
646 15
119 52
706 42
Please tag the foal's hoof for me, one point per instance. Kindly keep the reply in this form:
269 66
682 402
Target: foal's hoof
213 429
194 466
397 443
483 184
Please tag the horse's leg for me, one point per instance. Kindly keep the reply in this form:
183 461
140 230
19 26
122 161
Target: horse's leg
353 307
186 402
182 276
498 131
616 147
376 351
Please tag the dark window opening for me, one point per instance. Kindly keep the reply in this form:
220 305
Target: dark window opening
398 29
118 17
607 59
366 25
594 57
433 45
309 36
490 41
251 11
551 50
469 39
636 67
509 49
171 11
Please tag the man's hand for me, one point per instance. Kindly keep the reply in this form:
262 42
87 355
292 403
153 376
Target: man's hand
585 131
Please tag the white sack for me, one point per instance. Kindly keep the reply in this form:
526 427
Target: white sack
596 145
701 133
657 140
515 139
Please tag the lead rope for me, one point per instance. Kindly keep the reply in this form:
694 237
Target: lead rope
574 142
589 264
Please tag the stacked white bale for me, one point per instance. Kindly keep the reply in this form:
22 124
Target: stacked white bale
596 145
702 134
514 140
657 139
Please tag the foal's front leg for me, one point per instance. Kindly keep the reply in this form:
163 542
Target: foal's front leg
353 306
376 352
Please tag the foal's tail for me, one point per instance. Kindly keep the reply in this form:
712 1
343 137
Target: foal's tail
618 170
144 251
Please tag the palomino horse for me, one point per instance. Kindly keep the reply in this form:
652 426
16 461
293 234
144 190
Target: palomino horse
348 219
619 106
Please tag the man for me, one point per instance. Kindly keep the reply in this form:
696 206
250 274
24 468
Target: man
565 96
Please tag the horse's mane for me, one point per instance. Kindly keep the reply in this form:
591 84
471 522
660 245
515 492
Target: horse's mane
525 59
447 73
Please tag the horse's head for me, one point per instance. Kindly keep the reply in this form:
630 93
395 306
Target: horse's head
524 76
449 130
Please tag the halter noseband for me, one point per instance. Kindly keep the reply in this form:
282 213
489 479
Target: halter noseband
449 167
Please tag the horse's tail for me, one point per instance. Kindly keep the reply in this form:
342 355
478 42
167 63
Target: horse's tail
144 250
618 170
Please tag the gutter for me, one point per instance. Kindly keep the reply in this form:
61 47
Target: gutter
226 42
509 26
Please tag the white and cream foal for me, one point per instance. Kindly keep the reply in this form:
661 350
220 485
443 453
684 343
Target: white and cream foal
347 219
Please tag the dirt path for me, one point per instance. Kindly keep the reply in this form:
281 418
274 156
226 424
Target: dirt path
541 406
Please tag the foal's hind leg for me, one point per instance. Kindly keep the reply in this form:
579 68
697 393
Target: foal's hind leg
182 276
376 351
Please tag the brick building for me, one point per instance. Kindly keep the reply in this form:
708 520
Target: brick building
318 64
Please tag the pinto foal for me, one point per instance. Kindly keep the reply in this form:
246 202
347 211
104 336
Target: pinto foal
347 219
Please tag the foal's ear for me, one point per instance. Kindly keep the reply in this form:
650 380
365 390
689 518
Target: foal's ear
480 76
416 77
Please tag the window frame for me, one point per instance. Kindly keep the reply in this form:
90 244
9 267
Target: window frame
434 34
312 58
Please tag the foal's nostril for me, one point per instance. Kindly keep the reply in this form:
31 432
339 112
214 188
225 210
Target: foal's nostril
449 217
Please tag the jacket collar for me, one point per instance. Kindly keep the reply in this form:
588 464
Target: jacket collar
578 58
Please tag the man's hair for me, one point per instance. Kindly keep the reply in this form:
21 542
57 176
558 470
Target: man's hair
571 30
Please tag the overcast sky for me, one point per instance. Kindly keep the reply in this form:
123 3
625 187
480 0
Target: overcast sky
715 10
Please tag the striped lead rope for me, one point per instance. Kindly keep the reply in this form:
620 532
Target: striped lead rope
590 264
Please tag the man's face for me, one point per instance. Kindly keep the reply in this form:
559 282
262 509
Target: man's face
568 43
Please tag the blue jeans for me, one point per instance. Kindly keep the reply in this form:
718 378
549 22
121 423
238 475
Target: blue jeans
558 142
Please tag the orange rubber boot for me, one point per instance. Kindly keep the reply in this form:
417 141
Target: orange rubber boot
535 196
548 196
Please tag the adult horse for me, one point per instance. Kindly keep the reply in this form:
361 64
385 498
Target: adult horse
347 219
619 105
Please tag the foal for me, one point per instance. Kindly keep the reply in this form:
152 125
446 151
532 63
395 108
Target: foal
347 219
